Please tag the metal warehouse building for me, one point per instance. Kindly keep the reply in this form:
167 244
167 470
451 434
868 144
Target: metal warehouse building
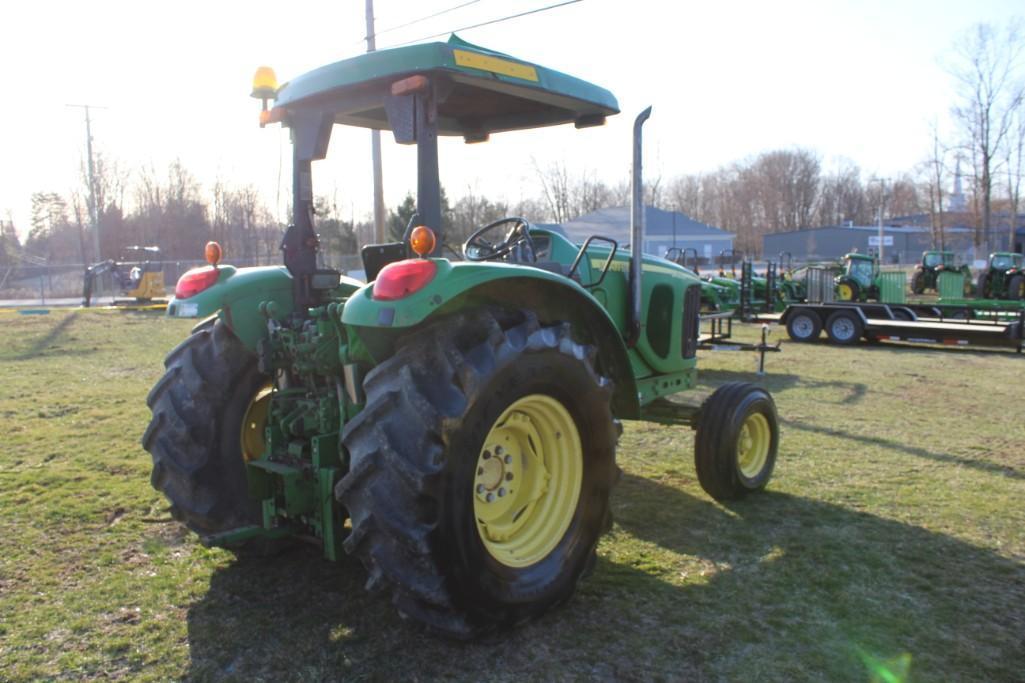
903 244
663 230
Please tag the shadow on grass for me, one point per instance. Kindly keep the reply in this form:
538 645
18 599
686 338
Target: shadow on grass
910 450
56 334
776 587
776 382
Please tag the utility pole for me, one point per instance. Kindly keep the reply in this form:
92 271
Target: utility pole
94 211
882 202
375 143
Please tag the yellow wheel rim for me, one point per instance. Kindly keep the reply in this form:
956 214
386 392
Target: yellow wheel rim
253 423
753 445
527 482
844 292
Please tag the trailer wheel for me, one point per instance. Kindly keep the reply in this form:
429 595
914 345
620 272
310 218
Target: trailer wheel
736 441
804 326
1016 288
843 327
481 471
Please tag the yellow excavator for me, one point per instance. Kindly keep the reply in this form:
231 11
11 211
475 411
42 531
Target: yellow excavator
138 274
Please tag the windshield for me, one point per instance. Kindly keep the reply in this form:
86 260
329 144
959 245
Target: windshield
1002 262
859 267
933 260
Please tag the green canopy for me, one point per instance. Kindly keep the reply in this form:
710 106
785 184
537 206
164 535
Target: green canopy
479 91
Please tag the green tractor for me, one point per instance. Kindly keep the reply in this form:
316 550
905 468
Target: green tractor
716 296
927 272
1003 278
451 424
859 280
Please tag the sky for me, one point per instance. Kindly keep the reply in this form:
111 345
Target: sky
859 81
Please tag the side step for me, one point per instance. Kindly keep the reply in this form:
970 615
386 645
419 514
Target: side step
664 411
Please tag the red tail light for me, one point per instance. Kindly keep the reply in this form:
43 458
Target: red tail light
402 278
195 281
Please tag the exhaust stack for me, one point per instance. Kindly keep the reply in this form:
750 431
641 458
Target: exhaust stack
636 230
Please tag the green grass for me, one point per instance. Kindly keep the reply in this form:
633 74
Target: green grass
891 536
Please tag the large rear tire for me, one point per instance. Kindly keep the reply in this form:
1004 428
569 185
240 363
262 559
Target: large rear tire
470 537
848 290
196 433
918 282
736 442
1016 288
982 286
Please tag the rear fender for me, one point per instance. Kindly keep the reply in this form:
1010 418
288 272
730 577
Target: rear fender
237 295
460 286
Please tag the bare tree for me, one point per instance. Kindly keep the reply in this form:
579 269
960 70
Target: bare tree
1015 148
985 68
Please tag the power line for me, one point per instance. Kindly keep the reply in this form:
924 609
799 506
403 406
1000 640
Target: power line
493 21
429 16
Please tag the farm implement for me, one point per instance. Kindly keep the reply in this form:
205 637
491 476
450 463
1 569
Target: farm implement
451 424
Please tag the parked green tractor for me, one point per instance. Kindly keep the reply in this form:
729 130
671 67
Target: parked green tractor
716 295
1003 278
859 280
451 424
927 272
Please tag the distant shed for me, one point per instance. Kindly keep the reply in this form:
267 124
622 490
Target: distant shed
663 230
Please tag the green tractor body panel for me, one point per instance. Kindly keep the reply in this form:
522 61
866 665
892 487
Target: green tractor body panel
237 295
859 280
933 263
468 70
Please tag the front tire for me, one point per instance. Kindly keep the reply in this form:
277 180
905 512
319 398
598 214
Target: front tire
480 471
736 442
196 433
982 287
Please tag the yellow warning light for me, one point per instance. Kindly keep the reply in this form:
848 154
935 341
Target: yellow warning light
265 83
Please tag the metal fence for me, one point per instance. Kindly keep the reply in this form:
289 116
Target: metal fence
64 283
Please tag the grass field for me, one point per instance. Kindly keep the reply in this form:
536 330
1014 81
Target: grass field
891 541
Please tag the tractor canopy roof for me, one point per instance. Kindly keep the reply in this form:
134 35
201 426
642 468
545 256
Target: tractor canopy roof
855 256
478 91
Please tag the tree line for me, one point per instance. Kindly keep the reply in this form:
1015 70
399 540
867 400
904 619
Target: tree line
775 191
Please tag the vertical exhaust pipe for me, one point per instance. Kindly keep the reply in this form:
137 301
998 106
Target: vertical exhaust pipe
636 231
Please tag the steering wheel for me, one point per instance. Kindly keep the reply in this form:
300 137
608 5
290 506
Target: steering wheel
517 238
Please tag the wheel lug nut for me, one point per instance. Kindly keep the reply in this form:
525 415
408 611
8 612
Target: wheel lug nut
480 488
491 497
508 460
480 470
501 492
508 476
498 450
487 455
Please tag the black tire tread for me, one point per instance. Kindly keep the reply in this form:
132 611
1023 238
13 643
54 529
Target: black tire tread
397 448
183 435
715 474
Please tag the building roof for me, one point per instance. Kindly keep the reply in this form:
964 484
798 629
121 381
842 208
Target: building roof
614 222
892 229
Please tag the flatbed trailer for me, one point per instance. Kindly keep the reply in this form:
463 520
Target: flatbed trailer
967 323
